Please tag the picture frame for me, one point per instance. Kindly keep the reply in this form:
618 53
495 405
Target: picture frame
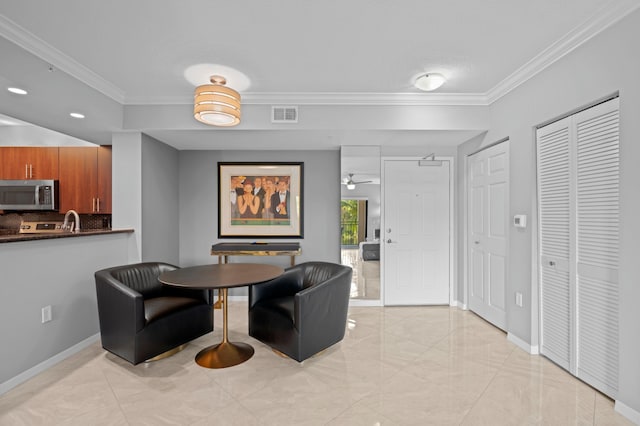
274 211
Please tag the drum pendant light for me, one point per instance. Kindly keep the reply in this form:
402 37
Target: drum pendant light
217 104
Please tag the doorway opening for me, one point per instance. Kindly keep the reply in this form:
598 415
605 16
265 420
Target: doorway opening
365 284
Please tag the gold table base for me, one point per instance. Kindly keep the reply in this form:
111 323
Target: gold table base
225 354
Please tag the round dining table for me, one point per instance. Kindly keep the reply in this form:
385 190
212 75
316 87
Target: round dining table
222 277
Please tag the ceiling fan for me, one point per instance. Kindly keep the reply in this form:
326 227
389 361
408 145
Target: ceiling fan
350 182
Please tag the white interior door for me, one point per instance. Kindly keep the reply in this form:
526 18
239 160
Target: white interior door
416 233
488 225
555 207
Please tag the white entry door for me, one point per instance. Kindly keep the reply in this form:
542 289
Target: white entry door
488 225
416 233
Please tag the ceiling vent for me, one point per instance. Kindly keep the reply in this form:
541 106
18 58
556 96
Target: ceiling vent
284 114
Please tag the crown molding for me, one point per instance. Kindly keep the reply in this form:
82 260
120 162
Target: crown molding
608 15
392 99
41 49
315 98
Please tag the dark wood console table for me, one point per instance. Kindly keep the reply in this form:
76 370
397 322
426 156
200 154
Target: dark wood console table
224 250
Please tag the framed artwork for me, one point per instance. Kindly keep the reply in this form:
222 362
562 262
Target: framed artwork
258 199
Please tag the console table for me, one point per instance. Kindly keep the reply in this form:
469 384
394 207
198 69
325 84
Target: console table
224 250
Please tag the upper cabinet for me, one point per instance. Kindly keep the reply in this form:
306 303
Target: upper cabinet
29 162
85 179
104 179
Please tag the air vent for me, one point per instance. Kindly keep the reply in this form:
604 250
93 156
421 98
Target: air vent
284 114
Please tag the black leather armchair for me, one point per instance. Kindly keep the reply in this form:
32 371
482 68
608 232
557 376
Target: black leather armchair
141 318
303 311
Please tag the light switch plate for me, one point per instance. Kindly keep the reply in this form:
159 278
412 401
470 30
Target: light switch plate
519 299
46 314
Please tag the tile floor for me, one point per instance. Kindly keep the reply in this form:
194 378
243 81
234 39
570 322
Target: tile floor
396 366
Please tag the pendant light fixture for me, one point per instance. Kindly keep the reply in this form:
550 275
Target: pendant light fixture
217 104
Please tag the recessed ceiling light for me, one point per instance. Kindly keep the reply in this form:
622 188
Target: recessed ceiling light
76 115
430 81
17 90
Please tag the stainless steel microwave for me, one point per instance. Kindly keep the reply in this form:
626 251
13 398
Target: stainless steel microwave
28 195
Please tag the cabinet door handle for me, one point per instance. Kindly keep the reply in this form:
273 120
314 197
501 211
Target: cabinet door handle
31 171
93 205
26 171
98 204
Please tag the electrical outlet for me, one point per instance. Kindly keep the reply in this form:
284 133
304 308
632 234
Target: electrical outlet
519 299
46 314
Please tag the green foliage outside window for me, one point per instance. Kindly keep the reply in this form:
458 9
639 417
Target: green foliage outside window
349 222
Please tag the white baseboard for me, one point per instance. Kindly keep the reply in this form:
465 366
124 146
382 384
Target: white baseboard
37 369
364 302
532 350
628 412
459 304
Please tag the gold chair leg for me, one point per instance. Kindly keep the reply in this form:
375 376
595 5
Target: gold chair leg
280 354
167 354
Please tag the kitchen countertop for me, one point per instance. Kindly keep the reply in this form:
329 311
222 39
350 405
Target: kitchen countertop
12 237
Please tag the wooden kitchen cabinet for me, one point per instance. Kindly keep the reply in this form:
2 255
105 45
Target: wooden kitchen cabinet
29 162
104 179
85 179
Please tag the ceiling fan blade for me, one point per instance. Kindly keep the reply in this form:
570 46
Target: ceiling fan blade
364 181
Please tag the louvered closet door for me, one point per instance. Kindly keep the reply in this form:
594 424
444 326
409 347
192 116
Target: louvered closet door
597 245
554 203
578 201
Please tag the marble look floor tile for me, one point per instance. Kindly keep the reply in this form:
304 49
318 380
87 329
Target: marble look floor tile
361 415
518 398
605 413
184 404
231 414
395 366
297 399
409 400
80 393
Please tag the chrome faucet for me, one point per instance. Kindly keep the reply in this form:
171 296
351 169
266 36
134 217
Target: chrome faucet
76 217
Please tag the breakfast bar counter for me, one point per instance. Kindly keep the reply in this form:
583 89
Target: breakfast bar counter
13 236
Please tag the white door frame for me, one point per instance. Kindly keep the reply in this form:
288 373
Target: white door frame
452 258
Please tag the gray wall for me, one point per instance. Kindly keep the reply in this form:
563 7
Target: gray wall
160 205
59 273
198 201
605 64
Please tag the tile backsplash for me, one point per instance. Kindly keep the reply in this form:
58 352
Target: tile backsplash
87 221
